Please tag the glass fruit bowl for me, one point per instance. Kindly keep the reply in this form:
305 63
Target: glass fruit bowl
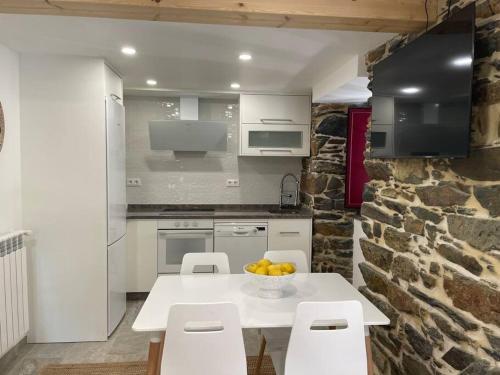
269 286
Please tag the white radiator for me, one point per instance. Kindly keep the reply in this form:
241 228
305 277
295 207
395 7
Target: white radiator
14 319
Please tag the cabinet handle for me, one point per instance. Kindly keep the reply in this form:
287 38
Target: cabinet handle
264 120
276 150
289 232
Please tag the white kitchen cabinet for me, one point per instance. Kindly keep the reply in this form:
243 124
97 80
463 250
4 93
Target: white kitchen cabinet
275 109
274 140
141 255
275 125
290 234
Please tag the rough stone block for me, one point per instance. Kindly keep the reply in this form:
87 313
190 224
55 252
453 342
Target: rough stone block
458 359
418 342
489 197
447 328
404 268
334 228
375 213
397 240
377 255
375 280
410 171
478 298
441 195
378 170
427 215
487 158
415 226
382 305
394 205
483 234
401 300
313 183
413 366
454 315
334 125
457 256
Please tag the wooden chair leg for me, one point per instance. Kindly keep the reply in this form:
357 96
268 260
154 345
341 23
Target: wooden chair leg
258 365
369 359
154 355
162 344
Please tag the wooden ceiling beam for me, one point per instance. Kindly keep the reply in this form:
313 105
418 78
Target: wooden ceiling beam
399 16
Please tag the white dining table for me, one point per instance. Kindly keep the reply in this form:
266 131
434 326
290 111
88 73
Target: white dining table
255 312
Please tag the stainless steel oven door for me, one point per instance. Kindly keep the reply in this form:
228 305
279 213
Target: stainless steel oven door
173 244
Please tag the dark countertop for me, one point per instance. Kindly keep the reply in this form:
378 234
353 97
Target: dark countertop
146 211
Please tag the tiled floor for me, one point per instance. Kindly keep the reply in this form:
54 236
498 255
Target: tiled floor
123 345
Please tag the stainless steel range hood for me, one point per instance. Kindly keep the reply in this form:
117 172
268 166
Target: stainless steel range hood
188 133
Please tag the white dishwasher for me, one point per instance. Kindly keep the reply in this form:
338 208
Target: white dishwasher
243 242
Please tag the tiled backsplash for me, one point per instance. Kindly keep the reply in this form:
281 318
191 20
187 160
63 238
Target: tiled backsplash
197 178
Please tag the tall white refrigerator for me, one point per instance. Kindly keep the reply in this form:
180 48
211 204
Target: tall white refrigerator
117 211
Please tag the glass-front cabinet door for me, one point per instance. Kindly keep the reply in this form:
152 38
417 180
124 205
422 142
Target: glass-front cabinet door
274 140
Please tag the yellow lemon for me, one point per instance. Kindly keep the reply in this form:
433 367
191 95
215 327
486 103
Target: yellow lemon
274 267
261 271
285 273
252 267
275 272
288 267
264 263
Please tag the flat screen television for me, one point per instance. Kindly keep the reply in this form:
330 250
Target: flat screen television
422 93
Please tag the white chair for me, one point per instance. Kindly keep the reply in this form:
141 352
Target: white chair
188 351
338 351
294 256
275 340
191 260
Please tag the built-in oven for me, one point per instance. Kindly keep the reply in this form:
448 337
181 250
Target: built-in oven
180 236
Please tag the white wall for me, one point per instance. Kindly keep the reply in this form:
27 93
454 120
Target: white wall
10 156
357 258
64 195
169 178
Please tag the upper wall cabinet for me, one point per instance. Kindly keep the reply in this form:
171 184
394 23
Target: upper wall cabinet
275 109
275 125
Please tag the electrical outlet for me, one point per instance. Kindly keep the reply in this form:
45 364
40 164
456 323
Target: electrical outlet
134 182
232 182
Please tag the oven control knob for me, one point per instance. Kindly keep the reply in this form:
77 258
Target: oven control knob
186 224
177 224
195 224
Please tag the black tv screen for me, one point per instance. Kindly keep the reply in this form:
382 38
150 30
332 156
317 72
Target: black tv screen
422 93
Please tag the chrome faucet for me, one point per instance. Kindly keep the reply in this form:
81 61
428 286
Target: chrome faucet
289 197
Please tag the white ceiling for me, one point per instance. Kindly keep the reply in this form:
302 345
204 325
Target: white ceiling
193 57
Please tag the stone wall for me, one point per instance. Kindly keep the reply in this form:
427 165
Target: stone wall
322 189
433 238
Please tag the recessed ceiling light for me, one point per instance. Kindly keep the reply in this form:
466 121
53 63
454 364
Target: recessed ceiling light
151 82
235 85
410 90
245 56
462 61
129 51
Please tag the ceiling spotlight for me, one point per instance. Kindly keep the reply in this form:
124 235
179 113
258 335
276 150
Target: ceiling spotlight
245 56
151 82
462 61
235 85
129 51
410 90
